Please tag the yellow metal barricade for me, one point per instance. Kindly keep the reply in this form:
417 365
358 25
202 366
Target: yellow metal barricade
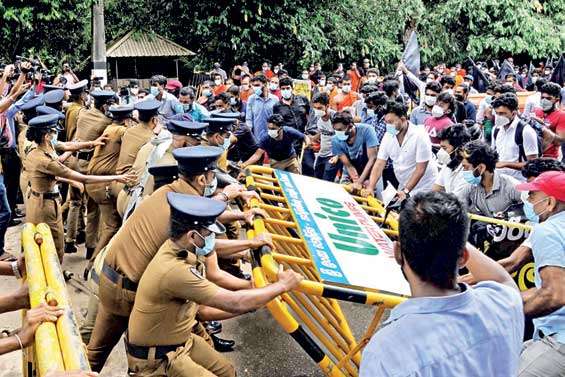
58 346
311 314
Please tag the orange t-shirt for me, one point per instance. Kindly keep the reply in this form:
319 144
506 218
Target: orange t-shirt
341 100
245 94
219 89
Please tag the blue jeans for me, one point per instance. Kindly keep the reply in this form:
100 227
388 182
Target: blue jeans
5 213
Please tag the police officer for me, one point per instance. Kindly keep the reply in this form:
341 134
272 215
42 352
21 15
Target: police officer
77 103
164 337
139 239
43 167
55 99
104 161
159 151
218 133
90 126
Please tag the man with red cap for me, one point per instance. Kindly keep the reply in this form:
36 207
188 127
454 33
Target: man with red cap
545 353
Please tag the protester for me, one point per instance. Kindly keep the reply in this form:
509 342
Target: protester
552 117
442 116
421 113
344 98
462 95
168 101
196 111
437 330
326 166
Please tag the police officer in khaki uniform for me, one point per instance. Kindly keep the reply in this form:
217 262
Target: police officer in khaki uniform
138 240
174 294
90 126
104 162
43 167
183 134
77 104
218 134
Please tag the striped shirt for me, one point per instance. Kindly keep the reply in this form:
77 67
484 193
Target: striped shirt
502 195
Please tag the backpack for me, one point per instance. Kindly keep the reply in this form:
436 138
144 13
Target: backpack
519 137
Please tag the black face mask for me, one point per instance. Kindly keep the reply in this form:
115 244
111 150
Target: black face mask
459 97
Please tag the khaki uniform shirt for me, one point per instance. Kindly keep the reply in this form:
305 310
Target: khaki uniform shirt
105 158
132 141
71 117
24 145
167 298
42 166
90 124
222 160
144 232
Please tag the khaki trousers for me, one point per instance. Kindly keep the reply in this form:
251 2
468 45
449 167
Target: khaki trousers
290 165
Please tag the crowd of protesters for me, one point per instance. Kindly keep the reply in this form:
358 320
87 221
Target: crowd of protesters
75 152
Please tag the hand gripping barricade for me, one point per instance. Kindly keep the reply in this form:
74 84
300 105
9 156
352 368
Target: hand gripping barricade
333 240
57 346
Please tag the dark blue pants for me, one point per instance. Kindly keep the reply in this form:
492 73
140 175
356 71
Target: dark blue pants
5 213
324 170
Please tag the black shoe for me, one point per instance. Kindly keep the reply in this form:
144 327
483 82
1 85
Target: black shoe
222 345
14 222
81 237
70 248
85 274
213 327
89 252
16 214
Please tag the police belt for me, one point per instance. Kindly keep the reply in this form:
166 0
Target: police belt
142 352
45 195
85 155
118 279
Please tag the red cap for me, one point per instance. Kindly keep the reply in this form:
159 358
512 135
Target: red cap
173 85
551 183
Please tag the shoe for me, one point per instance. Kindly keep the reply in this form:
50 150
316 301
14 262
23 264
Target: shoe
85 274
89 252
14 222
81 237
222 345
213 327
70 248
17 213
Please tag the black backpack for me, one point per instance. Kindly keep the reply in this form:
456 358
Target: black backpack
519 137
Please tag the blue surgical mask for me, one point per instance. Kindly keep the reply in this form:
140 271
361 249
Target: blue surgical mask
258 90
227 143
210 188
54 139
370 112
179 108
469 176
233 101
209 244
391 129
341 135
530 212
154 91
186 107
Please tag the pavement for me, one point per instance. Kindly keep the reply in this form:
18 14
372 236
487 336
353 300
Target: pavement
263 348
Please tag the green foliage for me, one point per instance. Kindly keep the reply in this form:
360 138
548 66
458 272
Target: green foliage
294 32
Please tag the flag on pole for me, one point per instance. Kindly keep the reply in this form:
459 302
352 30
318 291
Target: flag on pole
558 75
411 58
505 70
480 82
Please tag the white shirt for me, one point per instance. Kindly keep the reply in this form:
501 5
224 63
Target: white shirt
452 181
508 150
416 147
326 130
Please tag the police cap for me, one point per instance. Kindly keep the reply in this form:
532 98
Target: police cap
186 128
121 111
48 88
45 110
102 95
219 125
197 160
197 210
164 174
44 121
33 103
148 107
54 97
77 87
230 115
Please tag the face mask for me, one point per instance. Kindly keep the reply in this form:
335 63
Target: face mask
233 101
322 83
134 91
450 91
429 81
534 79
273 133
209 244
547 73
154 91
227 143
546 104
186 108
273 86
459 97
469 176
319 113
257 90
530 212
391 129
54 139
207 93
430 100
244 87
371 80
501 120
370 112
443 156
329 87
286 93
346 88
305 76
488 100
210 188
179 108
437 111
218 82
341 135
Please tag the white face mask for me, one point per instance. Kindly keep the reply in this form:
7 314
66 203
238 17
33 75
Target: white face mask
372 80
370 112
305 76
329 87
218 82
450 91
430 100
346 88
501 120
286 93
443 157
437 111
210 188
546 104
322 83
319 113
273 86
134 91
273 133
